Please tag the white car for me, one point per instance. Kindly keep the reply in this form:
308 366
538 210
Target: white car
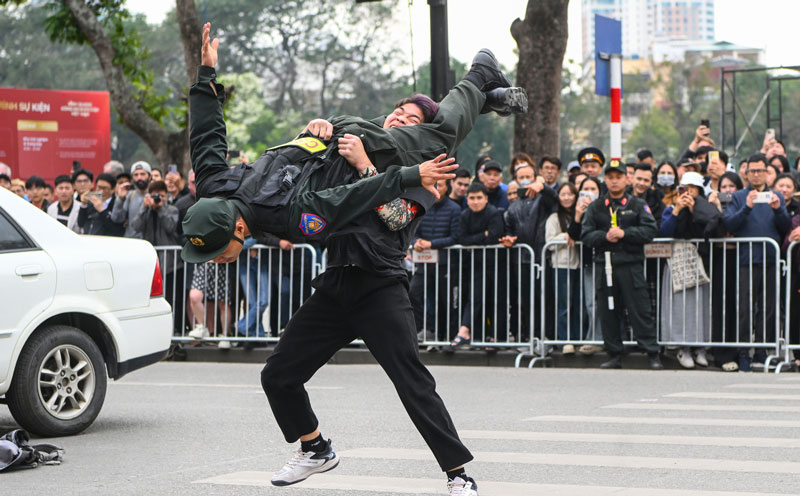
71 309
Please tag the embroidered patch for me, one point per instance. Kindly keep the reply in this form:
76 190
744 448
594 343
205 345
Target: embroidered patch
196 241
311 224
309 144
647 209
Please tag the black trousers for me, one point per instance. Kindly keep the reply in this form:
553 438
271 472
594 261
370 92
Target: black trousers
629 290
757 303
351 303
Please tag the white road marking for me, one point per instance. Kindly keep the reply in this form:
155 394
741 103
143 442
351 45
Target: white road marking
736 396
704 408
209 385
573 460
786 387
586 419
397 485
573 437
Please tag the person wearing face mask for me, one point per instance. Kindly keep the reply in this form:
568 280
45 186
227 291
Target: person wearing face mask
666 182
130 201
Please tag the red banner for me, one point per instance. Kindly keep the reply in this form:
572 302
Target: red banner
42 132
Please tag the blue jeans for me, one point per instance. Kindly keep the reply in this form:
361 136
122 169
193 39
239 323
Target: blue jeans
568 303
255 281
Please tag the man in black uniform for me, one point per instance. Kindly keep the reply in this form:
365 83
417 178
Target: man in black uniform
621 224
363 293
305 188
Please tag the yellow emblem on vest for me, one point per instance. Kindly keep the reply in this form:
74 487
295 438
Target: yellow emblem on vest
196 241
309 144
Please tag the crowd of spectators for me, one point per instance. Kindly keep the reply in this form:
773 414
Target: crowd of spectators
482 294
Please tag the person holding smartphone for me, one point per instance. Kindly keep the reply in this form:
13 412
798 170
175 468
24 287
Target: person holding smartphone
96 206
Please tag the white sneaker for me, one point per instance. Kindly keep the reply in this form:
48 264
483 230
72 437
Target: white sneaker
685 358
700 357
461 487
568 349
224 345
305 464
199 332
590 349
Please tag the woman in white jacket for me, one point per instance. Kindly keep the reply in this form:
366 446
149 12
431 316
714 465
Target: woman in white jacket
565 260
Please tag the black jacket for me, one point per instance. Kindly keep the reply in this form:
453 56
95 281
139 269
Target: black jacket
441 225
654 199
473 227
99 223
526 218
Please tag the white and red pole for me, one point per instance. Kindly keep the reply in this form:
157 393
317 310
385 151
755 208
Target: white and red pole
616 104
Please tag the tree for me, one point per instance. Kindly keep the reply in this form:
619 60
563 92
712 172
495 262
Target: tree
542 40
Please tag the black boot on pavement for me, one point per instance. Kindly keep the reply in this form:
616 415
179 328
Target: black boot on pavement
655 362
614 363
506 101
485 72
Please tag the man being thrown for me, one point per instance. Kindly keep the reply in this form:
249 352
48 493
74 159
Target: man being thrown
305 188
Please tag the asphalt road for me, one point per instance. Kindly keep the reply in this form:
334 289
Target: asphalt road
203 428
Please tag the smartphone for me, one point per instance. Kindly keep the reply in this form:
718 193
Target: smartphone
234 153
76 166
706 123
128 187
587 194
725 197
763 197
770 134
682 190
713 155
95 194
172 169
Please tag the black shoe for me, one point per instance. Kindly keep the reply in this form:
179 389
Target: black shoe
655 362
506 101
485 72
614 363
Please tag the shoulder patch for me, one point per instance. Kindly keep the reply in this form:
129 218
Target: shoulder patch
647 209
311 224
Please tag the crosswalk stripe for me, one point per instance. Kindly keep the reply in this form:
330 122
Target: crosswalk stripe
736 396
786 387
397 485
573 437
789 379
704 408
572 460
571 419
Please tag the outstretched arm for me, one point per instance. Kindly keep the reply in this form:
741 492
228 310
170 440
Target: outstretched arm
207 135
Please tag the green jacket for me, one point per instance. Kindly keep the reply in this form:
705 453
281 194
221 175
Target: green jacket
633 217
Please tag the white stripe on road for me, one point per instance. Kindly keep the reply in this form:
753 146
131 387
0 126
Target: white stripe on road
572 460
396 485
736 396
573 437
688 407
585 419
209 385
786 387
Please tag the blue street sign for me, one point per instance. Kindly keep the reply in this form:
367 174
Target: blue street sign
607 40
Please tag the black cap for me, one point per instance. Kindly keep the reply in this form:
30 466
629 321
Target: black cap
615 165
492 165
591 154
208 227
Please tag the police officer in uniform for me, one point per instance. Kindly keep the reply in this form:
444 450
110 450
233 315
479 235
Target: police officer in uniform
620 224
591 160
306 189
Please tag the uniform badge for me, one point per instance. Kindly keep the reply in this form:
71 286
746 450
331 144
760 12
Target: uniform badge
311 224
196 241
647 209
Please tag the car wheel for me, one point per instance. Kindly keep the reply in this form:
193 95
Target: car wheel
59 383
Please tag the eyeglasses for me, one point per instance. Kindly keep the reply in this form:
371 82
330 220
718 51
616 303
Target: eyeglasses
757 171
83 181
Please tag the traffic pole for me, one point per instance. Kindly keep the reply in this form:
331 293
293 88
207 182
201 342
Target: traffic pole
616 105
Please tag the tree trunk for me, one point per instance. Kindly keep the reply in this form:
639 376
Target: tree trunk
542 41
168 147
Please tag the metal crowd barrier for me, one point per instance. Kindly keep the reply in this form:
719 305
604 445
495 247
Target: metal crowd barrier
792 343
248 300
692 313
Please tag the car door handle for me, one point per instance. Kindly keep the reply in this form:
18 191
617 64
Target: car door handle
29 270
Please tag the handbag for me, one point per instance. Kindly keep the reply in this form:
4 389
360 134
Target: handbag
686 267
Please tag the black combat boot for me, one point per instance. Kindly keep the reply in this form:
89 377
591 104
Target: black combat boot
614 363
485 72
506 101
655 361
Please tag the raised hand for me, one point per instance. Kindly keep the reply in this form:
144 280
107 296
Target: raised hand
209 57
436 170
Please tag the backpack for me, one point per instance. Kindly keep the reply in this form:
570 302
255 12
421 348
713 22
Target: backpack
16 453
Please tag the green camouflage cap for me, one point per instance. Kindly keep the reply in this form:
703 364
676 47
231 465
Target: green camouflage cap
208 227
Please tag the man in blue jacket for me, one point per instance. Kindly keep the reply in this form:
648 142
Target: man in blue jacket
439 228
750 215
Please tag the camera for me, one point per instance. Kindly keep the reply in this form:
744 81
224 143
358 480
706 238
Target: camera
725 197
705 122
128 187
682 189
156 197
